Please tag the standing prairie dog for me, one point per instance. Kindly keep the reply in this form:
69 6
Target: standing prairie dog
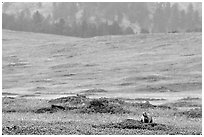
146 118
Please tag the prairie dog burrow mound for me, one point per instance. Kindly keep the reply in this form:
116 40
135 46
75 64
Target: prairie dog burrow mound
134 124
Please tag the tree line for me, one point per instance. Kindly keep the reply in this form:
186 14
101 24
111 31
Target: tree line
97 19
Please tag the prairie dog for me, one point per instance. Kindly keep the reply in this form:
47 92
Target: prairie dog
146 118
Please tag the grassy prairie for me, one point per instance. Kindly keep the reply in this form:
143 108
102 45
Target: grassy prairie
164 69
19 118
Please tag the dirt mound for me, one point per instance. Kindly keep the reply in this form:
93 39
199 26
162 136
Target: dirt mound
192 113
103 105
94 91
164 107
190 98
52 109
82 104
114 100
7 100
147 104
79 99
134 124
184 103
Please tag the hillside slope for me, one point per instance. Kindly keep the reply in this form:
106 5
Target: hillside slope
40 64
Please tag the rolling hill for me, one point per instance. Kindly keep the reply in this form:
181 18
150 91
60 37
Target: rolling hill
154 65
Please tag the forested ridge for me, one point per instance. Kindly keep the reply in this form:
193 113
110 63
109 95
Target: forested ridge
97 19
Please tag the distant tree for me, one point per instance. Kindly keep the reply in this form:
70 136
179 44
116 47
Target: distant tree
144 31
60 26
133 11
189 18
159 24
115 29
88 10
142 14
114 11
167 15
37 21
103 29
37 17
23 21
64 10
73 29
8 21
46 25
197 21
175 18
84 29
128 30
92 30
182 21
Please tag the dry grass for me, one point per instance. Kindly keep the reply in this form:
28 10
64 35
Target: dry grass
137 62
25 121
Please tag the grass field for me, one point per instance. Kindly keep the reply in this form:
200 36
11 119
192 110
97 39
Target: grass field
20 116
164 69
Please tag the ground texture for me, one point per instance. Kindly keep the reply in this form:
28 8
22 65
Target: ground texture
105 84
